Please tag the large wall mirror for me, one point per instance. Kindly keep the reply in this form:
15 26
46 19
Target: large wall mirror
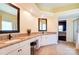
42 24
9 18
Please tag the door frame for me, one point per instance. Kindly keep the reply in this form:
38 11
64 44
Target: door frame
65 31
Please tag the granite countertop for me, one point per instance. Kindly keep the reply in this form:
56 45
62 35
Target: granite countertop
7 42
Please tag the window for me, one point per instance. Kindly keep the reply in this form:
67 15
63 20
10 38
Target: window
6 25
60 28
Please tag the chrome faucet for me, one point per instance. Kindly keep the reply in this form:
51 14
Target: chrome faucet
10 36
42 32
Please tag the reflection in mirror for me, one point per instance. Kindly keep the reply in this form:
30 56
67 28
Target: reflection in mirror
42 24
8 18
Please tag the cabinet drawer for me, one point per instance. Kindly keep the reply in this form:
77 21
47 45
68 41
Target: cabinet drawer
25 50
27 42
22 50
14 52
6 50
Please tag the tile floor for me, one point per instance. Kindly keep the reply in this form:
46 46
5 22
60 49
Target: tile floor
62 48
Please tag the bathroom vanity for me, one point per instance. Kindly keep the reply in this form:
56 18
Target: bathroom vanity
22 45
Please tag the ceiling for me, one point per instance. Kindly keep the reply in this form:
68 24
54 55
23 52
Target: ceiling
64 9
57 7
49 7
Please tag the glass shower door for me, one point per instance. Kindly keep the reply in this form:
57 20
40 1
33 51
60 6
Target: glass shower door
75 30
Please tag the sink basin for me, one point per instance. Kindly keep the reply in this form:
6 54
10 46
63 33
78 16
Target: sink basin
1 42
11 41
21 37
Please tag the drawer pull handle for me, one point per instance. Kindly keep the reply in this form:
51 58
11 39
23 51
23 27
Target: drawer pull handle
19 50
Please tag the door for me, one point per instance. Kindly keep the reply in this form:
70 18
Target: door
25 50
52 39
62 30
43 40
75 30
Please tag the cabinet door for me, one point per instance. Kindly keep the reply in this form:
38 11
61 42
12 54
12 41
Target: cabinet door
52 39
43 40
25 50
14 52
38 41
6 50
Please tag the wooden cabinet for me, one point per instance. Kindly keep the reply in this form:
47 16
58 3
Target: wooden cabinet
7 50
43 40
24 49
48 39
14 52
52 39
38 38
17 49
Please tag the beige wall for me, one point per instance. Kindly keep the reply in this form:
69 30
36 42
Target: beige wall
53 24
30 20
27 21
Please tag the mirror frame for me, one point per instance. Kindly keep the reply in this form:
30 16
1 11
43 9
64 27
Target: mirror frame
18 20
39 19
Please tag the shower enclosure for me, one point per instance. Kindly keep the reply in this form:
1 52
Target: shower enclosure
76 32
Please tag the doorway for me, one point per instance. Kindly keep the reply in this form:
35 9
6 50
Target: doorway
62 30
75 30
